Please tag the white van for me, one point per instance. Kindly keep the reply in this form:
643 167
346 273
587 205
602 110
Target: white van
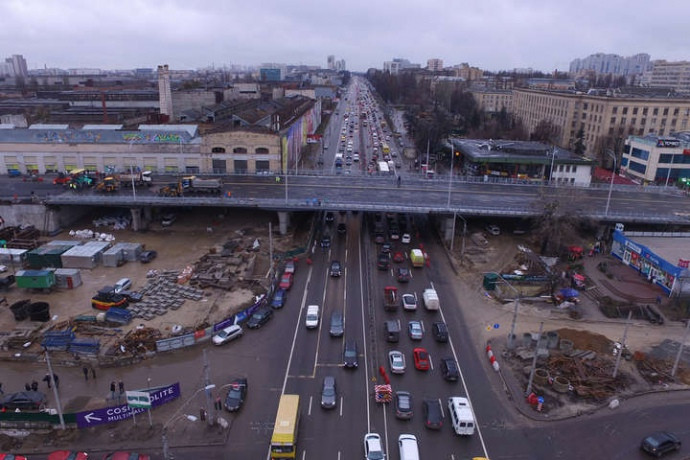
407 444
430 297
312 318
461 415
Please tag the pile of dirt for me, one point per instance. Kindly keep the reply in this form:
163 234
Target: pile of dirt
585 340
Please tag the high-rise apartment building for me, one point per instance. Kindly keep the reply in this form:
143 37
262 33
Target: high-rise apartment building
434 65
611 63
17 64
664 74
165 90
399 64
601 117
330 60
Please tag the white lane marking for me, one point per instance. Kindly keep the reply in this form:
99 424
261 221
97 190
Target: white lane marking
364 336
311 399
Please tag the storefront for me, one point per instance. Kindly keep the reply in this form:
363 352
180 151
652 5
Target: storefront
653 264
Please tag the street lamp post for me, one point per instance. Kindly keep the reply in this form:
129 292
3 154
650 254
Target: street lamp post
668 175
511 337
191 418
613 175
553 157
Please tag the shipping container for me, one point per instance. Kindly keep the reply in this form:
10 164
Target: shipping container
35 279
88 255
46 256
67 278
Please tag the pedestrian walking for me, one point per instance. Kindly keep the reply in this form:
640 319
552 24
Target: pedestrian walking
46 379
93 372
27 386
2 392
112 390
658 300
85 370
34 385
56 380
121 387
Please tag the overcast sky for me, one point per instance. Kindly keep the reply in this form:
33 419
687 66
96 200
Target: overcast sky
192 34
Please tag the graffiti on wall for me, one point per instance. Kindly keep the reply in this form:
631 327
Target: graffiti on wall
69 137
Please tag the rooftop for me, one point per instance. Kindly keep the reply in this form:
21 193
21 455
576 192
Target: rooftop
532 152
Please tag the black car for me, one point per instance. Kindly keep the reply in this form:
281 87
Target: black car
433 414
383 261
24 400
259 318
236 394
350 355
342 228
379 238
440 331
403 405
403 275
660 443
330 217
449 369
147 256
329 393
386 247
326 242
336 269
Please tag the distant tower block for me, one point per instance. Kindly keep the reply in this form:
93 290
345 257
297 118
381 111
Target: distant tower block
164 91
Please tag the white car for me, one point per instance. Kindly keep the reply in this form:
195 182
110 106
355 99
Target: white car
227 334
122 285
415 330
373 448
397 361
493 229
406 238
409 302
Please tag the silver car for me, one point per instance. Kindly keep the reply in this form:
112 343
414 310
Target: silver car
397 362
329 394
414 328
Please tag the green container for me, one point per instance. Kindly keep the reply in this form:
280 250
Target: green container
35 279
490 281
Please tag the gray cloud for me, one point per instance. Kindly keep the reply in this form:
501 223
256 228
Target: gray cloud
491 34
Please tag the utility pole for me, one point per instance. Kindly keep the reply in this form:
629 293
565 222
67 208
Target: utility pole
534 361
55 391
207 388
511 337
680 349
620 352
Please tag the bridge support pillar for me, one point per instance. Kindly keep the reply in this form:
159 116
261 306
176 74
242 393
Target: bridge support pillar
136 219
448 229
283 222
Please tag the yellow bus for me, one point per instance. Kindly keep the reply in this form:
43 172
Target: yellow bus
385 148
284 439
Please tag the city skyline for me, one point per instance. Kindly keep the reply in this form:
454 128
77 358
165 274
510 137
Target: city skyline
192 35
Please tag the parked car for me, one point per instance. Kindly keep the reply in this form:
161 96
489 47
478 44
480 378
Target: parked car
397 362
68 455
330 217
660 443
126 455
227 334
373 448
493 229
24 400
147 256
350 355
433 414
290 267
279 298
409 302
449 369
285 281
122 284
336 269
236 394
329 393
415 330
403 405
168 219
421 359
440 331
259 318
337 328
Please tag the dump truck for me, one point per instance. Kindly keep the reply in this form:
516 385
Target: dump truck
417 258
197 186
139 178
390 298
109 185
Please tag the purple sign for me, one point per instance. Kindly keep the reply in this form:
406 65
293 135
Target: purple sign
159 396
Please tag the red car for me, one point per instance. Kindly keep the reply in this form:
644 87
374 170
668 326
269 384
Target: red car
286 281
68 455
11 457
398 257
421 359
124 455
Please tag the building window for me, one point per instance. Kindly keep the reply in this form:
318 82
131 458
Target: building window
625 110
656 111
645 111
675 112
615 109
633 121
666 111
637 167
261 150
239 150
218 150
643 121
634 110
613 120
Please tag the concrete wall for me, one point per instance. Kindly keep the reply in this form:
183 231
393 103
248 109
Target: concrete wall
44 219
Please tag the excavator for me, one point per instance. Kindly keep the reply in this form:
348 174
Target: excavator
109 185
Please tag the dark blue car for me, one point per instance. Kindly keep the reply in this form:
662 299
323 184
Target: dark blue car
279 298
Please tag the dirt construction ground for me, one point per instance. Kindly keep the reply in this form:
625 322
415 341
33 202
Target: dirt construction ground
193 235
